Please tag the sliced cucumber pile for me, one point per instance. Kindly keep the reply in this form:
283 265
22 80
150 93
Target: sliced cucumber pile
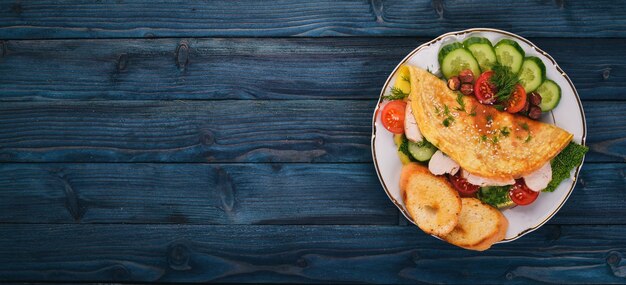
532 73
482 50
510 54
478 54
550 95
454 58
422 151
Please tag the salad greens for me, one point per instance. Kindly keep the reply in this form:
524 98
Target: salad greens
564 162
497 196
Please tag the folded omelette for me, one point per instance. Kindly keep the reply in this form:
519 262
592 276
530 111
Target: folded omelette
482 140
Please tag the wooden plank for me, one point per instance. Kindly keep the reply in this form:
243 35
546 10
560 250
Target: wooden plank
300 68
245 194
224 131
254 18
186 131
313 254
193 194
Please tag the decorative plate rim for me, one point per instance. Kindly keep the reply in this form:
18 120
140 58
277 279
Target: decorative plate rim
458 33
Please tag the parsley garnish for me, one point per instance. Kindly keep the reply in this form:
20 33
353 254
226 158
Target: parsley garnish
483 138
528 138
505 131
396 94
495 139
505 80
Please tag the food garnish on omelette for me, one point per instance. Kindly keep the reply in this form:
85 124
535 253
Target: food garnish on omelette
482 140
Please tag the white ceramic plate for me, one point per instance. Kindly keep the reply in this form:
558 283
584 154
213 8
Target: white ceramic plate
568 115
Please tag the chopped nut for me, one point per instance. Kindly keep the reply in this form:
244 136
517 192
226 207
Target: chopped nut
534 112
466 76
535 98
467 89
454 83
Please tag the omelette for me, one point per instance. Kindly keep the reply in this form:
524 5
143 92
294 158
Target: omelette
484 141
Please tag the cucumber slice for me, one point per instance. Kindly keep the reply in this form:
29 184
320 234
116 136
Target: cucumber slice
422 151
482 50
497 196
454 58
510 54
532 73
550 95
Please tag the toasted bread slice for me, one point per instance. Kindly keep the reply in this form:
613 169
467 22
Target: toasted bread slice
430 200
479 226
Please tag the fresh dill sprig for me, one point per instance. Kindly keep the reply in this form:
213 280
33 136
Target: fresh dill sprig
405 78
473 112
505 131
459 99
449 119
396 94
505 80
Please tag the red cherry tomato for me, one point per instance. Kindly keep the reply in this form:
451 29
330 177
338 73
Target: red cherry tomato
460 184
392 116
517 101
484 90
521 194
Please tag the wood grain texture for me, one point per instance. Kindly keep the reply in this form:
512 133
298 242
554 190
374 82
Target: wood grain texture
254 18
297 68
194 194
313 254
225 131
303 194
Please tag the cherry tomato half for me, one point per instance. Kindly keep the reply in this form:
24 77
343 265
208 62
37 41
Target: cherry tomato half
521 194
392 116
460 184
484 90
517 101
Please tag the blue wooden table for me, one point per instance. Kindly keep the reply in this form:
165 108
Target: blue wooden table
192 141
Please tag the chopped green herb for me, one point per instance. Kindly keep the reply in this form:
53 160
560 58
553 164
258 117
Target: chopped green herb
528 138
473 113
524 126
396 94
447 121
459 99
437 110
499 107
405 78
570 158
483 138
489 119
446 111
495 139
404 148
505 131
